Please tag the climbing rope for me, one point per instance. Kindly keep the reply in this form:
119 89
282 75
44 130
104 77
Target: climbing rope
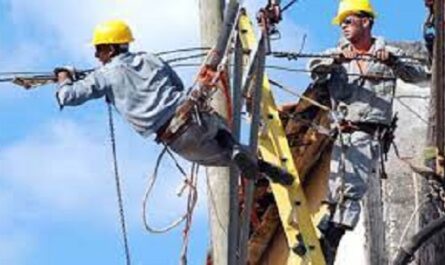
118 184
192 198
191 203
151 184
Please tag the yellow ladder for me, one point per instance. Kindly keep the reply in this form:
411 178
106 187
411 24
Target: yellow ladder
291 201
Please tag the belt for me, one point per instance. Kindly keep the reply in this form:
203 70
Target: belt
370 128
171 130
177 124
161 133
182 119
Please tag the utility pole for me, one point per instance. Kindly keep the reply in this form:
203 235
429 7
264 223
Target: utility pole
218 179
434 253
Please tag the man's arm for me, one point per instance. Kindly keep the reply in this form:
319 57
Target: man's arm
321 67
73 93
406 69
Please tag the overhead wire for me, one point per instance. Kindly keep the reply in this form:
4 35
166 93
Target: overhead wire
298 70
11 76
184 58
409 108
359 57
26 73
288 5
183 50
410 221
293 92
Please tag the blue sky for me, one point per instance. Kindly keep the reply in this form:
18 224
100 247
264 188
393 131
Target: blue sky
57 195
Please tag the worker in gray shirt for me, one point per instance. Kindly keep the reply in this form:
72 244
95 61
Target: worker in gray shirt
361 79
148 94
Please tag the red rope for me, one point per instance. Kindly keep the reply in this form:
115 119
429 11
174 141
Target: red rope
224 81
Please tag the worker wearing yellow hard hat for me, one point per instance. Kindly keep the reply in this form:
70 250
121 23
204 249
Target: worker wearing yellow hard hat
151 96
348 7
362 100
112 32
111 38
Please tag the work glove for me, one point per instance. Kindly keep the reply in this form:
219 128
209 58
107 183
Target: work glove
70 73
345 55
385 57
320 69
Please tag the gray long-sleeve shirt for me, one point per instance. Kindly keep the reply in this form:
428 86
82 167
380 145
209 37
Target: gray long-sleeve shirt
144 89
367 97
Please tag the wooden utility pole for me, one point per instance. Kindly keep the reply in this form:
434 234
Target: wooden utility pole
434 253
218 179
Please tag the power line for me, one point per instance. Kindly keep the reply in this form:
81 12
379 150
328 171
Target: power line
288 5
183 50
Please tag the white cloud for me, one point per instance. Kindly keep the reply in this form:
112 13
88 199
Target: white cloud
62 173
15 243
66 169
15 247
59 167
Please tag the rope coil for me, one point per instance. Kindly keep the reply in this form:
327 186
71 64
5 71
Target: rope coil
192 198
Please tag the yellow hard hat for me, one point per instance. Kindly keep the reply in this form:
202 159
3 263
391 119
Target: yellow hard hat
348 7
112 32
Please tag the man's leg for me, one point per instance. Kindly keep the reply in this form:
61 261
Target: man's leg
239 155
331 234
249 165
210 143
351 164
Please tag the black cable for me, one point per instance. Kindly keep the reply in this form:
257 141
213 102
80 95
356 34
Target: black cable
406 252
281 68
118 186
183 50
361 57
288 5
27 73
178 59
295 70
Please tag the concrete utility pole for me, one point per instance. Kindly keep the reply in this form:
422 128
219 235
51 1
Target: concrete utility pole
434 252
218 179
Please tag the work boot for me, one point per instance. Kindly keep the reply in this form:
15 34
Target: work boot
275 174
248 163
332 234
240 156
245 162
